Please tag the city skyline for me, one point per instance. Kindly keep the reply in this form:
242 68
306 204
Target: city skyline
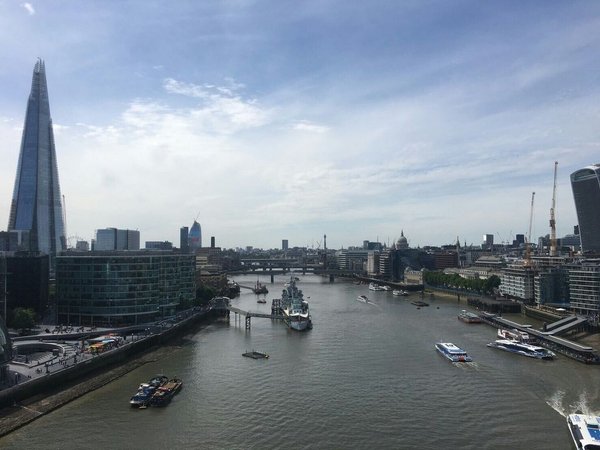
275 122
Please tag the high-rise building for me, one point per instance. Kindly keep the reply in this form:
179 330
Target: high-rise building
195 237
183 239
586 192
37 203
284 244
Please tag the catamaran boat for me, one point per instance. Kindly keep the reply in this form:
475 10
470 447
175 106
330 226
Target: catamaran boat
514 334
294 307
521 348
585 431
452 352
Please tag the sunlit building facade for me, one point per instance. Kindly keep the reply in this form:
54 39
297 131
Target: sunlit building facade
586 192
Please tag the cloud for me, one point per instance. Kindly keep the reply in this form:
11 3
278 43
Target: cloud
310 127
29 8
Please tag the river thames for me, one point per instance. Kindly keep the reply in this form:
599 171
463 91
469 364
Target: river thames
366 376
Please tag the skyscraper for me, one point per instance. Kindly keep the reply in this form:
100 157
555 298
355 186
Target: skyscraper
195 237
36 205
586 192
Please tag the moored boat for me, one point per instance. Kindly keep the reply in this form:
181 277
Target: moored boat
515 335
294 308
468 317
585 431
256 355
165 393
375 287
452 352
142 397
399 293
521 348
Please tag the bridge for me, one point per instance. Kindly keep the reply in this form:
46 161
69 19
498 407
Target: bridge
250 314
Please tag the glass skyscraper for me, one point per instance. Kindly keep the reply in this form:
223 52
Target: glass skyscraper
37 204
586 192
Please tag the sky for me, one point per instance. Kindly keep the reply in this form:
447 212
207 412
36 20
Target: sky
270 120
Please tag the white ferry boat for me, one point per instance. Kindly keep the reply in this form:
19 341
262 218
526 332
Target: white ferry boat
399 293
514 334
295 308
452 352
585 431
521 348
375 287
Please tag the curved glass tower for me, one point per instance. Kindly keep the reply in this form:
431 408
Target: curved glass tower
195 237
586 192
36 204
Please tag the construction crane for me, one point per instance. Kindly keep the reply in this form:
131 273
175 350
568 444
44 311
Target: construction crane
552 217
528 246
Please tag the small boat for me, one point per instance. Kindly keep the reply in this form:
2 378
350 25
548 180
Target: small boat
256 355
260 289
399 293
585 431
142 397
419 303
375 287
261 300
521 348
468 317
452 352
386 288
363 298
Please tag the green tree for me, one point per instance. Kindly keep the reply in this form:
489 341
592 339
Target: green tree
23 318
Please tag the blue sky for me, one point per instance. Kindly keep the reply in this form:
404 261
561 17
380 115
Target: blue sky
286 120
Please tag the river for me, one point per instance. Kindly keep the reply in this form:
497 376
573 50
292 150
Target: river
366 376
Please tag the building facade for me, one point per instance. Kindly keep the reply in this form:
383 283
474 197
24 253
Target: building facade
586 192
195 237
584 289
517 281
36 205
109 239
118 288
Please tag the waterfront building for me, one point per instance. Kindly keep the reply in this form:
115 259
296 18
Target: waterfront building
195 237
373 263
584 288
552 286
27 280
109 239
352 260
586 192
517 281
444 260
413 276
122 288
36 205
209 259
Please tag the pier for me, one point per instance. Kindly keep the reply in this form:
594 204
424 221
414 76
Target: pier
275 314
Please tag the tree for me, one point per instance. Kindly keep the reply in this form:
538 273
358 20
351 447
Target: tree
23 318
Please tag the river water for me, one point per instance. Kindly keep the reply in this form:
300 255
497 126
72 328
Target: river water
366 376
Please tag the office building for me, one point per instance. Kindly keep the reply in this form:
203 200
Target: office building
586 192
517 281
195 237
284 244
183 239
158 245
115 239
27 281
122 288
488 241
36 205
584 289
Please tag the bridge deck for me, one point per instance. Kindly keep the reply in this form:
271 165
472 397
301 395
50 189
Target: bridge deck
254 314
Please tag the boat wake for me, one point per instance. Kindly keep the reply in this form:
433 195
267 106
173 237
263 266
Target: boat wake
580 406
472 365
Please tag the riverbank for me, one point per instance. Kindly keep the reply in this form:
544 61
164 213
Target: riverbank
22 413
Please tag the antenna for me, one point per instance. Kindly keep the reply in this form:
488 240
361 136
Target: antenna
197 215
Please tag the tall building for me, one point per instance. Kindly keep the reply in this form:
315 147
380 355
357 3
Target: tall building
116 239
195 237
586 192
36 205
284 244
183 239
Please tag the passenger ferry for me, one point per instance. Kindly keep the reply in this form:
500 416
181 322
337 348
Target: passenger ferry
469 317
452 352
515 335
375 287
399 293
521 348
585 431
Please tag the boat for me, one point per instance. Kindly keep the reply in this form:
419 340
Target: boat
294 308
468 317
386 288
164 394
585 431
399 293
261 300
419 303
145 391
256 355
375 287
260 288
521 348
452 352
363 298
515 335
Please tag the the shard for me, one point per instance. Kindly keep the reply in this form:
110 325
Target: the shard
36 209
